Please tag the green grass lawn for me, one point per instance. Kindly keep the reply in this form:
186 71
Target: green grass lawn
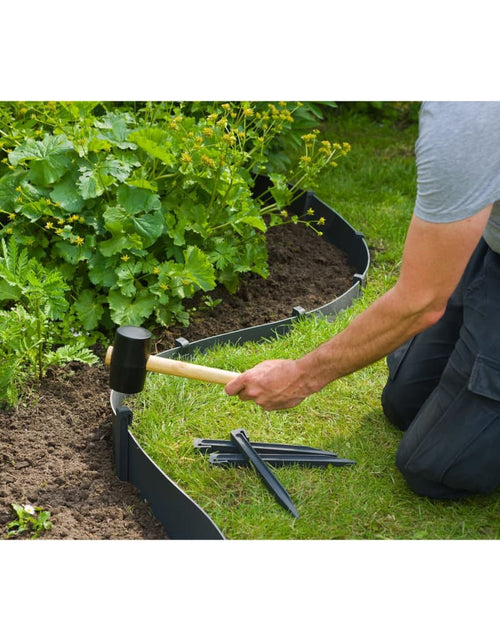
374 189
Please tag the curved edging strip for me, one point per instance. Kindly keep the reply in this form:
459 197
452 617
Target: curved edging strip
180 516
336 231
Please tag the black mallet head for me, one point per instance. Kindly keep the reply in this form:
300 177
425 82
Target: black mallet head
130 353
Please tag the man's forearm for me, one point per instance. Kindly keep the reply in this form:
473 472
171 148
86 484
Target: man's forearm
385 325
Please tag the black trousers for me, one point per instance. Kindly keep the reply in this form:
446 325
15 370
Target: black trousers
444 391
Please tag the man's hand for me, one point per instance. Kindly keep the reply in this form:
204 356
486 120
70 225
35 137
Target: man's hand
273 384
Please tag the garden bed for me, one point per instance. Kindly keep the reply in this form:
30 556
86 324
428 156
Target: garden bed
57 452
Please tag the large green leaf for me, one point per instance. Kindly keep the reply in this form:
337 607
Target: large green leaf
114 219
135 200
254 221
96 177
49 158
149 226
93 183
8 184
101 270
114 245
198 268
127 311
73 253
89 309
8 291
66 194
154 142
114 128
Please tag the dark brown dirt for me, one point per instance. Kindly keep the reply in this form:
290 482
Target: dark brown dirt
56 450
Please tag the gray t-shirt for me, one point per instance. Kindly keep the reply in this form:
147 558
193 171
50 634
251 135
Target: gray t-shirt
458 163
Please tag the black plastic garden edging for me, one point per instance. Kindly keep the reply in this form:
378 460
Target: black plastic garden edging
179 515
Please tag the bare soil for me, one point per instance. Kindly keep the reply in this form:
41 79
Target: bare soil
56 450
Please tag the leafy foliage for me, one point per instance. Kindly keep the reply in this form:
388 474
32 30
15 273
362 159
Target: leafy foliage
34 329
140 206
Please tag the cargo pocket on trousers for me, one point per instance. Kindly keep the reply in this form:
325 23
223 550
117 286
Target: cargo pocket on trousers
460 446
478 468
485 378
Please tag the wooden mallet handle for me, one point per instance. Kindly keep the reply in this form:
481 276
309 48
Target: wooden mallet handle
179 368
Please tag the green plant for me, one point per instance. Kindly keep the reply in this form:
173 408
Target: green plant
34 328
141 206
34 520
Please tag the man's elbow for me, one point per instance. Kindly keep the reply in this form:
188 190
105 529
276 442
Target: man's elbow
431 316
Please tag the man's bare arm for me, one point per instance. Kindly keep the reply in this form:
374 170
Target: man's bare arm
434 259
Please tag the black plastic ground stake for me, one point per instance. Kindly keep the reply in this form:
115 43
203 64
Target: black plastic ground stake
208 445
230 459
242 442
179 515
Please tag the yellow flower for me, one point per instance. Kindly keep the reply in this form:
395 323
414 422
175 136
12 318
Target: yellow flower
163 286
185 157
9 230
321 221
248 112
125 257
207 160
79 241
49 225
310 211
156 270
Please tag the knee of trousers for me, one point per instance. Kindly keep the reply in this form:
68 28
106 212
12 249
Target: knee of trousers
398 404
423 486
